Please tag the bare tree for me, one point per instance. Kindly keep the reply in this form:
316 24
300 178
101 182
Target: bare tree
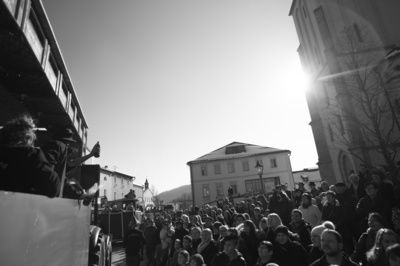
362 116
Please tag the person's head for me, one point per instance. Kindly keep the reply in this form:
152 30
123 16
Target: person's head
215 227
376 177
331 242
393 254
249 227
187 242
18 132
305 200
223 230
282 234
316 233
177 244
324 186
301 185
265 250
197 260
375 221
386 237
354 179
274 220
329 225
340 187
232 231
183 257
371 189
297 215
331 197
239 219
263 223
230 243
312 185
195 232
206 235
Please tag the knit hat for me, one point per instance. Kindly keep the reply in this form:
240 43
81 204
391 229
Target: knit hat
282 229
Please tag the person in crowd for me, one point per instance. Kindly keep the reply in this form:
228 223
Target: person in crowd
265 251
187 244
173 260
376 256
163 251
372 202
313 189
385 186
393 254
367 239
332 245
133 242
301 187
356 187
196 237
347 203
208 248
180 231
265 232
286 251
281 205
311 213
215 229
239 219
230 256
329 225
314 250
300 227
24 168
223 232
152 239
257 215
296 198
183 258
248 242
197 260
332 211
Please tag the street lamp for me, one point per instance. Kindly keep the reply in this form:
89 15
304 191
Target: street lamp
260 169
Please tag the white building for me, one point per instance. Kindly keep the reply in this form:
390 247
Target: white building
306 176
147 196
234 165
115 185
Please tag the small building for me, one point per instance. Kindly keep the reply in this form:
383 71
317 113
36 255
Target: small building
147 196
115 185
233 166
306 176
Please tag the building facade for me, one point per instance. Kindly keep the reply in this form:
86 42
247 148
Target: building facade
147 196
234 166
350 49
115 185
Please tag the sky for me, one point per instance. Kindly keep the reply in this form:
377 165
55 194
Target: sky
163 82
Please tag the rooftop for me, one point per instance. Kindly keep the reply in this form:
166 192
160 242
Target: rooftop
237 150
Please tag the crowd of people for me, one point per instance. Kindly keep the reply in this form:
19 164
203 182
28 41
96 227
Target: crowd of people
355 224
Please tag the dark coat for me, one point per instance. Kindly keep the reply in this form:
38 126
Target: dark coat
303 229
209 252
133 242
248 247
314 253
26 170
221 259
282 207
289 254
367 205
322 262
333 213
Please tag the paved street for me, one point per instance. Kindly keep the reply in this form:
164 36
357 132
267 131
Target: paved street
118 255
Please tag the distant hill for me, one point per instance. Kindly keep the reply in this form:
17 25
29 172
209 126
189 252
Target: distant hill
170 195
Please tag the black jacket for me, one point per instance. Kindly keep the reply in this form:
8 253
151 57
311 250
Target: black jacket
322 262
133 241
26 170
221 259
289 254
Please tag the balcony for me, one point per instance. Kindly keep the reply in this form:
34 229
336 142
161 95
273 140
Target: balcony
32 69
